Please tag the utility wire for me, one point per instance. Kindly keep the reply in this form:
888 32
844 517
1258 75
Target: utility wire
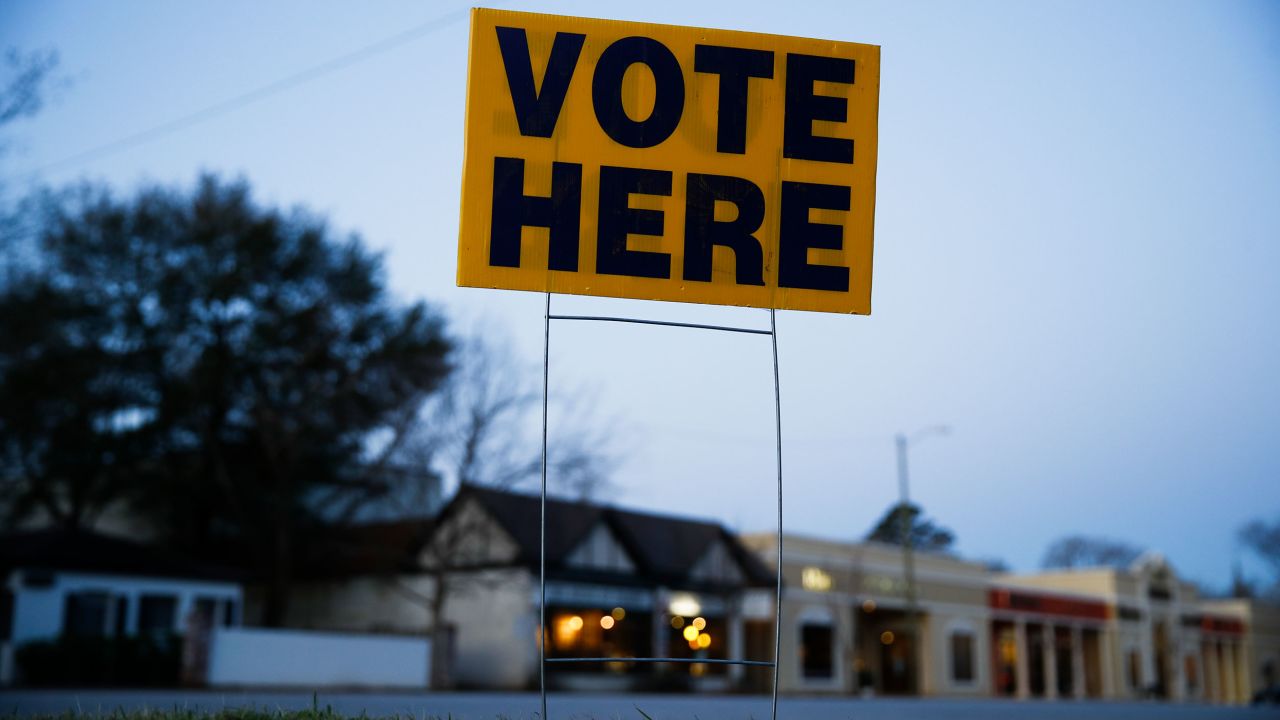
255 95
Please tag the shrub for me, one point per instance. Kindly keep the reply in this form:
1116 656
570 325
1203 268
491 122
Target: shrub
136 661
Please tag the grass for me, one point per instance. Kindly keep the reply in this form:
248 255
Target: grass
240 714
315 712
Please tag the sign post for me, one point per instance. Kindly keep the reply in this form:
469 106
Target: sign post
657 162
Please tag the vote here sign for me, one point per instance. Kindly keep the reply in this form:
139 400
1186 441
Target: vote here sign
668 163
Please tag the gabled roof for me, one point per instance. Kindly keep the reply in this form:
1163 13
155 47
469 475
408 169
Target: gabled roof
85 551
568 523
664 548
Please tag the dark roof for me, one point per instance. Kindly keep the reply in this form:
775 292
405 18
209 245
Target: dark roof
665 548
86 551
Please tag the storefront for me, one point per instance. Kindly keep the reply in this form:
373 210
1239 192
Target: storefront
848 625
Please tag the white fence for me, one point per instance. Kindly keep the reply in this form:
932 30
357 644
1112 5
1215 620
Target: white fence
299 658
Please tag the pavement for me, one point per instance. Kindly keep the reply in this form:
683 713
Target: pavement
524 706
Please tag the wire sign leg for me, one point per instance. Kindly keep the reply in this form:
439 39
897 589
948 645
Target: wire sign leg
772 332
777 604
542 523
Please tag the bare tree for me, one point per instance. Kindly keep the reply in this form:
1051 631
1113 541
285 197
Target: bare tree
26 82
480 430
1079 551
1263 538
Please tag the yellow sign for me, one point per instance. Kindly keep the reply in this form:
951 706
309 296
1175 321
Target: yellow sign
668 163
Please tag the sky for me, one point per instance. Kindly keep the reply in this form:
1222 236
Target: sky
1076 258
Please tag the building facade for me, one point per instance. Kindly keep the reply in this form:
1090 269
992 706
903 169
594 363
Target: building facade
620 584
851 624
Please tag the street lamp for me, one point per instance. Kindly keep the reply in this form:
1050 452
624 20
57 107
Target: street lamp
904 442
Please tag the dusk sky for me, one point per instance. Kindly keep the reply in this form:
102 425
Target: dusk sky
1076 262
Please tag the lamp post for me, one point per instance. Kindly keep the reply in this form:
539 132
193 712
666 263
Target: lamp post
903 443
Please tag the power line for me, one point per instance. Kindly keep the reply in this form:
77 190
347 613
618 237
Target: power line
255 95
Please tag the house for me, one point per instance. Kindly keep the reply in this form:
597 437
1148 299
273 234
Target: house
57 583
620 583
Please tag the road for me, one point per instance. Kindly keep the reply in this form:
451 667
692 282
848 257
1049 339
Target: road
524 706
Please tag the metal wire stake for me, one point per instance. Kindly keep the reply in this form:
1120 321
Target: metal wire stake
547 317
777 604
542 545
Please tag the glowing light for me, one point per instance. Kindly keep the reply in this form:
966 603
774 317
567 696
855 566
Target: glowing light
815 579
886 637
618 614
1009 650
868 605
684 604
690 633
677 622
693 644
700 623
606 622
566 629
704 641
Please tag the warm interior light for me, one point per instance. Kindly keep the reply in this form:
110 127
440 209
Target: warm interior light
704 640
700 623
677 622
565 630
815 579
618 614
606 622
886 637
691 633
684 604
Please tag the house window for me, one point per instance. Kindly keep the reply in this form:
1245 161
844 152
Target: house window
599 632
156 614
228 613
816 657
962 657
84 614
121 615
207 611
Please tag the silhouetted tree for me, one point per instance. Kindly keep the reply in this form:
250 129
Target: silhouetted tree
1079 551
1263 539
219 365
474 433
926 535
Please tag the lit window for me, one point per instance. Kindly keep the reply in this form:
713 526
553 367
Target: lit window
815 579
567 630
